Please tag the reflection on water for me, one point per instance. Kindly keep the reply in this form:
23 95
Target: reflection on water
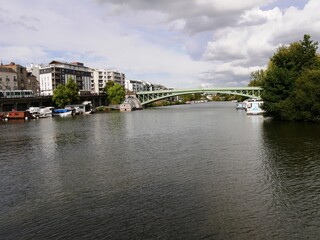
201 171
292 163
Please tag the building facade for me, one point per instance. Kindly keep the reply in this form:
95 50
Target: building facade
59 73
25 80
8 79
102 76
138 86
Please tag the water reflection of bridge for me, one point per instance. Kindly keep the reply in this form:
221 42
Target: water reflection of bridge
152 96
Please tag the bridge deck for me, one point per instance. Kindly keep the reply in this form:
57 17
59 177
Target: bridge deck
146 97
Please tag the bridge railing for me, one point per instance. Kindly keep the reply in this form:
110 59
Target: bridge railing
146 97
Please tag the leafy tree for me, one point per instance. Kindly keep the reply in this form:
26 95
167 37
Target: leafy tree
72 91
291 79
257 78
116 94
307 96
109 84
191 97
59 98
66 94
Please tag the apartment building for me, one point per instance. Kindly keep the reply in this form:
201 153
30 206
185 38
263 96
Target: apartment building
59 72
102 76
138 86
8 79
25 80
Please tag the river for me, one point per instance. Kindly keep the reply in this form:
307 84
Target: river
199 171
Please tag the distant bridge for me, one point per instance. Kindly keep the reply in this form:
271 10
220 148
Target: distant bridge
146 97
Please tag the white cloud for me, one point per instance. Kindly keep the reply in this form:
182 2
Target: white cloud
249 45
176 43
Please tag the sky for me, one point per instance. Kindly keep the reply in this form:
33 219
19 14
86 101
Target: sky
179 44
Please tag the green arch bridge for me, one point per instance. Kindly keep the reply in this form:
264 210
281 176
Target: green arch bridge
146 97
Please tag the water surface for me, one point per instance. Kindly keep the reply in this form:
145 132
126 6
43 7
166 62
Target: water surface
201 171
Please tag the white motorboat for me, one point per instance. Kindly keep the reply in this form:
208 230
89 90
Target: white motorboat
45 112
61 112
254 107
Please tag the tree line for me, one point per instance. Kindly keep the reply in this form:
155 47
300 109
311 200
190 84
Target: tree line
69 94
291 82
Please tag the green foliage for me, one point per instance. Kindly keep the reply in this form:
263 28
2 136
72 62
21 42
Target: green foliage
292 83
307 96
109 84
116 94
66 94
257 78
191 97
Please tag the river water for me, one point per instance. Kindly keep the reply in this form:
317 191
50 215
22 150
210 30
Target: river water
201 171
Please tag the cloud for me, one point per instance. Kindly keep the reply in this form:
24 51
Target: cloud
259 33
175 43
197 15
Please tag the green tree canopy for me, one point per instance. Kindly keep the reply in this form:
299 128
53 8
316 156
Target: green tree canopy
191 97
108 85
291 82
66 94
116 94
257 78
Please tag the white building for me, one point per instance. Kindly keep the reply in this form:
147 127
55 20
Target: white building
102 76
138 86
34 69
59 73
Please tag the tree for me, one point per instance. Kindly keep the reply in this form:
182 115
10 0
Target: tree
307 96
66 94
257 78
109 84
291 79
191 97
116 94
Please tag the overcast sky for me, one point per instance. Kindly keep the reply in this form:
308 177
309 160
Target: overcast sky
177 43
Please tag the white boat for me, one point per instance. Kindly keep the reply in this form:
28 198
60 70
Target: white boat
241 105
254 107
77 109
61 112
34 112
45 112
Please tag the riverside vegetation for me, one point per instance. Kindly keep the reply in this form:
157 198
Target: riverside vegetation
291 82
69 93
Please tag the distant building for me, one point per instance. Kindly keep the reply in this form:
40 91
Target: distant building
8 79
102 76
34 69
59 73
138 86
32 83
25 80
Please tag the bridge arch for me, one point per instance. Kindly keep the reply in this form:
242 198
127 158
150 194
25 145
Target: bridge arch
146 97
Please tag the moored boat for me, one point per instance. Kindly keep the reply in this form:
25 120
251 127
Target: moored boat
18 115
61 112
254 107
45 112
241 105
78 109
34 112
